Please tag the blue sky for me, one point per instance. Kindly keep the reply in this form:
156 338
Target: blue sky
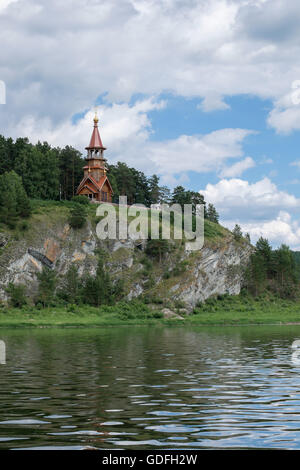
204 93
273 152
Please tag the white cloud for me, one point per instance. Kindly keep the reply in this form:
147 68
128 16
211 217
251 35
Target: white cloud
4 4
237 198
60 56
201 154
285 120
126 131
260 208
277 231
238 168
213 102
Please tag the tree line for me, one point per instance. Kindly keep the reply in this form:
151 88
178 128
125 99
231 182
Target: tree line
52 173
271 270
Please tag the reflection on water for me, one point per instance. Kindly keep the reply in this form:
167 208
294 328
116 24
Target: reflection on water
150 388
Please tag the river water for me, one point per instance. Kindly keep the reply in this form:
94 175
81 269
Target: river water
150 388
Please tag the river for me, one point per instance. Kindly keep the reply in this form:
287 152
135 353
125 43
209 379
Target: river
150 387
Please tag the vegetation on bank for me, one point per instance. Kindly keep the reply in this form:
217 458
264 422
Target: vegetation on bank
222 310
271 274
245 309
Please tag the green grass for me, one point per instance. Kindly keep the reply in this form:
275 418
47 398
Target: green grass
124 313
246 310
237 310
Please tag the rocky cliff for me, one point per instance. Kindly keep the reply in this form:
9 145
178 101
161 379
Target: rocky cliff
180 278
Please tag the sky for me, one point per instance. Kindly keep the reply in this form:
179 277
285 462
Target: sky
204 93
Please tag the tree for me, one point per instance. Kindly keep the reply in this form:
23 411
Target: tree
264 249
165 195
124 179
256 274
71 285
70 171
78 215
212 214
182 196
47 283
98 290
17 295
284 265
14 202
157 248
154 189
38 167
237 233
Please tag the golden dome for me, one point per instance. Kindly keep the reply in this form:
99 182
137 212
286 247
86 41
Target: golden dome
96 119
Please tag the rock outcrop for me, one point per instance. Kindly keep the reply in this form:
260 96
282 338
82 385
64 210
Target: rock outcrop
215 269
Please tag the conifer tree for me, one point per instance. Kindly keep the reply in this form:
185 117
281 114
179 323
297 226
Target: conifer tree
14 202
237 233
47 283
212 214
78 215
70 289
98 290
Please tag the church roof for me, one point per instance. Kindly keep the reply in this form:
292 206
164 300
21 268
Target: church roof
97 184
95 142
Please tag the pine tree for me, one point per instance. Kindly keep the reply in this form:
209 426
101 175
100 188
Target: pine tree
47 283
70 289
154 189
14 202
237 233
98 290
212 214
70 171
256 274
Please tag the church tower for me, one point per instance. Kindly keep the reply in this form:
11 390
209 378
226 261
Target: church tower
95 183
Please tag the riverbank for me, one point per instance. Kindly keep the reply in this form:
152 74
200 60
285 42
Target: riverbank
224 310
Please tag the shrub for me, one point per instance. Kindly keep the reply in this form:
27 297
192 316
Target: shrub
179 304
17 295
180 268
146 263
136 310
23 226
80 200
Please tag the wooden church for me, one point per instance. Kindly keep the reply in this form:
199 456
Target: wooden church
95 183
